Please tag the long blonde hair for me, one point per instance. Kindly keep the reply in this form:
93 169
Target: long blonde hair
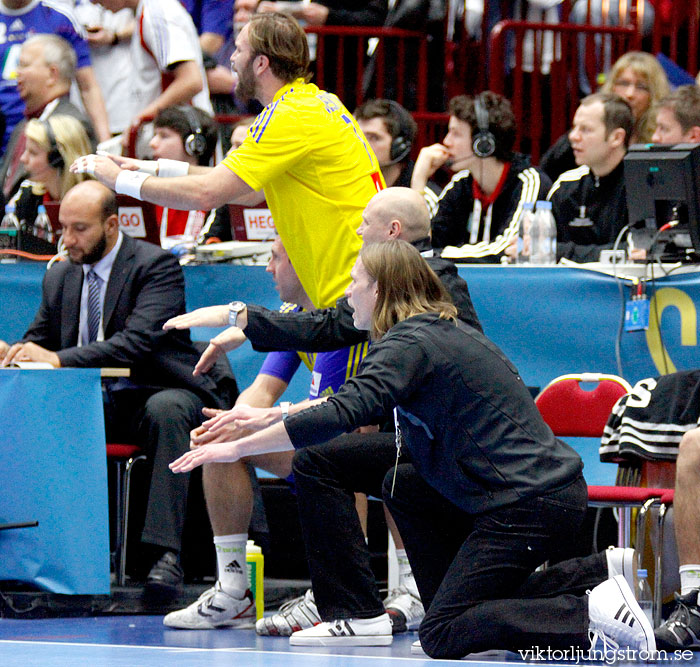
646 67
406 285
71 141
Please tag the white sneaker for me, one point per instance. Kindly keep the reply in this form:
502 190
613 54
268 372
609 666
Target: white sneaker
346 632
616 620
624 562
214 609
405 609
417 649
297 614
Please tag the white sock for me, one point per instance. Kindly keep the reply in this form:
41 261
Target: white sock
406 578
231 564
690 578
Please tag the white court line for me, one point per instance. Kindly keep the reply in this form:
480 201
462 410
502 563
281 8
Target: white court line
187 649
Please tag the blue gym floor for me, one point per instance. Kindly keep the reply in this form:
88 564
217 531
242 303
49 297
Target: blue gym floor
135 641
130 641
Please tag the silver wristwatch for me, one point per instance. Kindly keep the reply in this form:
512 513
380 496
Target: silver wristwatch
284 405
234 308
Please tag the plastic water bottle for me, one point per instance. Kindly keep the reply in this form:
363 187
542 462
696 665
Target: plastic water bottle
42 225
644 597
256 563
543 235
524 239
9 220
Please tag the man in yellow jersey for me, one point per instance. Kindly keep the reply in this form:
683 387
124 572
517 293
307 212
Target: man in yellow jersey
304 151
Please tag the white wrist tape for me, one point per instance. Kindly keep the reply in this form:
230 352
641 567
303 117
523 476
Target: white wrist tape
149 167
170 168
130 182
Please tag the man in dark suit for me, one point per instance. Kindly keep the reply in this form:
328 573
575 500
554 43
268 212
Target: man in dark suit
106 307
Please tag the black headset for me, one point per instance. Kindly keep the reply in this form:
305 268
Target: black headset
54 157
483 141
195 142
401 145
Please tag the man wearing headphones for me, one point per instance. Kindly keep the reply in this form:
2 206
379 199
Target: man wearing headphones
479 210
187 134
391 131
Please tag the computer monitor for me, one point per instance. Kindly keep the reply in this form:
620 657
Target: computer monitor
663 185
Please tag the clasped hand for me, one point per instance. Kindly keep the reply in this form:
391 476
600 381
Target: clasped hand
216 439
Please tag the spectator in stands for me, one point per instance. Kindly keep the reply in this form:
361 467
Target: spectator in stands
166 59
45 71
137 287
51 145
392 213
640 80
488 495
678 117
109 36
305 151
479 210
21 20
589 203
187 134
391 131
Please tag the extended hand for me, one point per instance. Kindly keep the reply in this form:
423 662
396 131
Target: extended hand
211 316
226 341
225 452
103 167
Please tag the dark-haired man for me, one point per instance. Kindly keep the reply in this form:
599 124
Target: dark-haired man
589 203
304 151
106 307
391 131
479 210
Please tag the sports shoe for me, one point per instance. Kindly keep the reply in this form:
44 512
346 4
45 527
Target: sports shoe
405 610
164 581
295 615
214 609
417 648
346 632
624 562
616 619
682 629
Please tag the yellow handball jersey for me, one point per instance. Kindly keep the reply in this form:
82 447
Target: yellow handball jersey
318 172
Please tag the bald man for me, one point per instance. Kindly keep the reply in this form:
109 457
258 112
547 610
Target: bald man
106 307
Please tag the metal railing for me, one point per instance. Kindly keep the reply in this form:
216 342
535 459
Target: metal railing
397 67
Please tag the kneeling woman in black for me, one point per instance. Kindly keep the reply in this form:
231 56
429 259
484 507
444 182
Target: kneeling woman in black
489 493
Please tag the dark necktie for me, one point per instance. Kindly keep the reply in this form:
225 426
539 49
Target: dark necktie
93 317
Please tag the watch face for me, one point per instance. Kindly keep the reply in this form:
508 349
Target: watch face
234 308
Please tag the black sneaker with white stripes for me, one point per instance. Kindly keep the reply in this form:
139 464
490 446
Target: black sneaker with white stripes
346 632
616 620
682 629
